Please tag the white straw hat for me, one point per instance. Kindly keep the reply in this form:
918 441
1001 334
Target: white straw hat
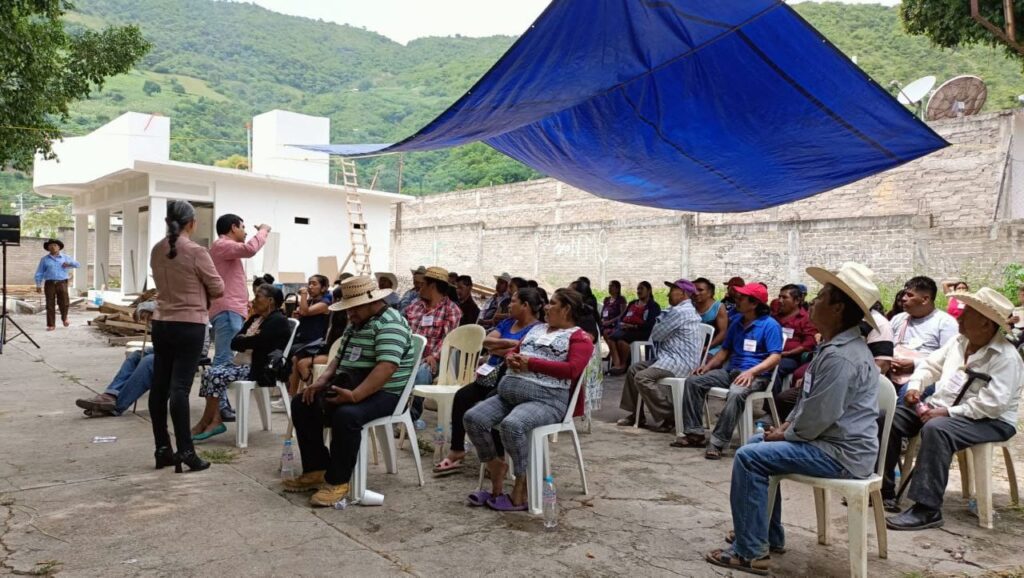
358 291
988 302
389 276
854 279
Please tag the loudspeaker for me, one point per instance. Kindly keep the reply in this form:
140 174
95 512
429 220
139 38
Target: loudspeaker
10 230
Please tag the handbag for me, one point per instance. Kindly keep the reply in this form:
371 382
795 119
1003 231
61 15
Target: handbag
491 379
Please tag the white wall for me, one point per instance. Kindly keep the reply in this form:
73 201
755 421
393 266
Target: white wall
325 235
273 131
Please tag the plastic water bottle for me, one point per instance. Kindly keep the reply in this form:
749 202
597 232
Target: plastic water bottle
420 425
896 479
288 461
550 504
972 506
760 428
341 504
438 443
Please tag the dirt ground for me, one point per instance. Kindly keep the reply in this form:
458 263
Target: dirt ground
78 508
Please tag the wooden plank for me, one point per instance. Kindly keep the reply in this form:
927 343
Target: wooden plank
328 266
114 308
125 325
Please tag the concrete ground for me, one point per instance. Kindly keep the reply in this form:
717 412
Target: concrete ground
75 507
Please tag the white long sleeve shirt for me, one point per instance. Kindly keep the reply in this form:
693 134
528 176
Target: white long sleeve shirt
997 399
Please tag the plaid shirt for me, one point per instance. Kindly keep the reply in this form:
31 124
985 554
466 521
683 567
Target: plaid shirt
440 321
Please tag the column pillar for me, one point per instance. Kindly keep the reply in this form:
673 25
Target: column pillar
81 275
101 257
156 231
130 248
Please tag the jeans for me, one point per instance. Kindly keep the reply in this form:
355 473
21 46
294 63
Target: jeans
748 495
133 379
346 422
696 392
177 346
941 438
423 377
226 326
787 365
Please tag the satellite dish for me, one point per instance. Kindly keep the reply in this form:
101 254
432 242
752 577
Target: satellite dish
957 97
915 91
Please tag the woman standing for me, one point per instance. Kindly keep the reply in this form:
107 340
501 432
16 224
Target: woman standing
186 281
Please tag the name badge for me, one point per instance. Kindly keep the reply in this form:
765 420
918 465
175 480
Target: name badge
484 370
957 381
605 313
355 353
915 343
960 305
788 332
546 339
427 321
750 345
807 384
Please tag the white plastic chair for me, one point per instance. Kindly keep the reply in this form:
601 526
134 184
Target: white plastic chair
540 458
403 416
640 351
859 494
707 333
464 344
243 389
319 368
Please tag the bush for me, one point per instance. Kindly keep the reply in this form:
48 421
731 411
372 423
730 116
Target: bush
151 88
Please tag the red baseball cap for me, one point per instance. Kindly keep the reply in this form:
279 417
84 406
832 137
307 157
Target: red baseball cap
754 291
735 281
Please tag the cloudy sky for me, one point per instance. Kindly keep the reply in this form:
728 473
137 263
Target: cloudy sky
404 20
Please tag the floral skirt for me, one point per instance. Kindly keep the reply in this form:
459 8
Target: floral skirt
216 379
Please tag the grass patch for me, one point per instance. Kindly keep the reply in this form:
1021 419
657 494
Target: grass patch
219 456
46 568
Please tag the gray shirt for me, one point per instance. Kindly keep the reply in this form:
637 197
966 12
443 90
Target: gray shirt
838 409
678 341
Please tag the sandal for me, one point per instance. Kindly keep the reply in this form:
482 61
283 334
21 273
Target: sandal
729 559
479 498
712 453
447 467
690 441
731 537
503 503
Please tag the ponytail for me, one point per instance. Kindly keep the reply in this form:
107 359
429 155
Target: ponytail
179 215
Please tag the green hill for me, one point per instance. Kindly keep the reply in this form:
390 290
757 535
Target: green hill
216 64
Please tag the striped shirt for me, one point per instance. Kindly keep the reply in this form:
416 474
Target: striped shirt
384 338
677 339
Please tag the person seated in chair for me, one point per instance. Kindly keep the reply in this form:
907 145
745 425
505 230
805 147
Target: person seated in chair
978 376
636 325
313 318
919 330
363 382
535 392
501 293
433 316
464 291
412 295
752 349
266 330
678 344
387 280
526 310
832 433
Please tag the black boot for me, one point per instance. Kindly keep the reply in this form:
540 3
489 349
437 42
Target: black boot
190 459
916 517
164 457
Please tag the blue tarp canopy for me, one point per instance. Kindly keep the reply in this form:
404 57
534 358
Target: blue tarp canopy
698 105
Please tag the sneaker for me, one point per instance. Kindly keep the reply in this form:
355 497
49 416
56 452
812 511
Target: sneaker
277 406
329 495
304 483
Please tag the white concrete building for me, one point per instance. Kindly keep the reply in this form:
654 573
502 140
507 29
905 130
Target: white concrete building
124 169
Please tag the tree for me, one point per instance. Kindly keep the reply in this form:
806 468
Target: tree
45 68
45 222
233 162
948 23
150 88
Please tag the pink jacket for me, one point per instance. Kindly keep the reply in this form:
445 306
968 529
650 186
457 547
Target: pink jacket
227 257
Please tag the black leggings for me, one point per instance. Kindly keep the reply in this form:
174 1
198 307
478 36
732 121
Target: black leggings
176 349
465 399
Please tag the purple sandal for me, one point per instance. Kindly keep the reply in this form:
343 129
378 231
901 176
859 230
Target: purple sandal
479 498
503 503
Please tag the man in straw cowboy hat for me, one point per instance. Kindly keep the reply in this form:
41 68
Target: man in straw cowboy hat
362 383
410 296
500 294
52 277
387 280
433 316
978 378
833 431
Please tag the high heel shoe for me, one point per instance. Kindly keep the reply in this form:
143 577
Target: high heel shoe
164 457
190 459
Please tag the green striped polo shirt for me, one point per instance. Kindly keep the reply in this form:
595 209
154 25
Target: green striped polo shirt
384 338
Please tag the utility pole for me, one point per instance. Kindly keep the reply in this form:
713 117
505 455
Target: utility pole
401 163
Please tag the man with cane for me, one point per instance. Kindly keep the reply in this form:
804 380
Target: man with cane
978 381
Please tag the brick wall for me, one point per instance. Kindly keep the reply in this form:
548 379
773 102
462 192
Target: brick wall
937 215
22 261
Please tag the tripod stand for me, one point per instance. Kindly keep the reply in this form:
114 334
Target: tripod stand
5 317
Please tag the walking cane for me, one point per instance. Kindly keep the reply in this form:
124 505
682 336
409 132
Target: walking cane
142 352
971 376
